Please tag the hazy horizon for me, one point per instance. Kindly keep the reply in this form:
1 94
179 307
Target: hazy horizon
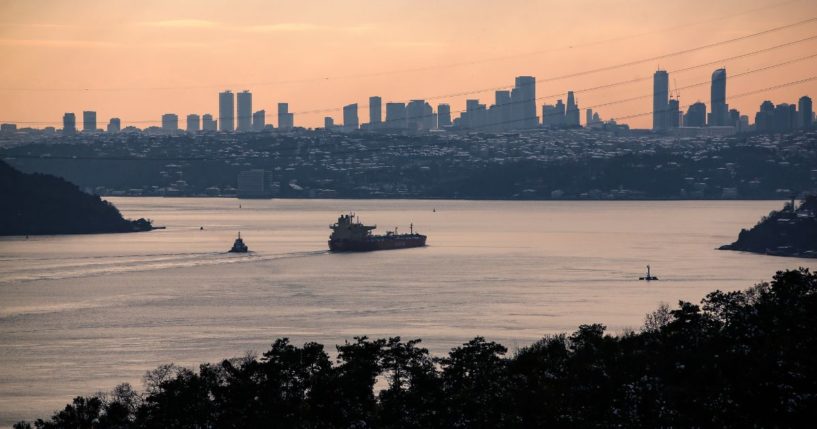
137 63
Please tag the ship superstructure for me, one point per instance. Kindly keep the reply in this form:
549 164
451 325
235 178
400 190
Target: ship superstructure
350 235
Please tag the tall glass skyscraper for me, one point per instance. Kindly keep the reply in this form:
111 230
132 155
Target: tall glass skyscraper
244 111
226 111
660 100
720 110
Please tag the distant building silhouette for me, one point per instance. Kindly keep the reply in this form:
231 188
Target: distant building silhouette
419 116
572 111
89 121
764 119
660 100
696 115
443 115
523 99
244 100
114 125
720 110
396 115
350 119
208 123
673 113
69 123
328 123
193 123
170 122
259 120
553 115
255 184
805 112
375 110
226 111
286 120
501 116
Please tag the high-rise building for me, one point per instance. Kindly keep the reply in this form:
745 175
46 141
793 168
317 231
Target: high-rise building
674 113
419 115
259 120
226 111
696 115
443 115
255 184
244 101
328 123
88 121
69 123
764 119
350 119
286 120
805 112
170 122
720 110
660 100
572 111
396 115
554 115
523 102
193 123
114 125
375 110
588 117
208 123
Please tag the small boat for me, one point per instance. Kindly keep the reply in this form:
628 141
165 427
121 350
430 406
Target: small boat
239 246
649 276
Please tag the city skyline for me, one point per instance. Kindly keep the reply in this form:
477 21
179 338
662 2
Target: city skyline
434 64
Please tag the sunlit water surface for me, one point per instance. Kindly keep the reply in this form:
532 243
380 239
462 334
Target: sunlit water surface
79 314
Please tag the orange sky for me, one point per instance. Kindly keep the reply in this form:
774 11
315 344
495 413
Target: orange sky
139 59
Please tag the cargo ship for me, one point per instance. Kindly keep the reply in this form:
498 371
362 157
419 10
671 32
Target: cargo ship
350 235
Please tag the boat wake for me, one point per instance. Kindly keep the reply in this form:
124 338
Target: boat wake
66 268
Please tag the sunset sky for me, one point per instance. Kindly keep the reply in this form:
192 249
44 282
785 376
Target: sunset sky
139 59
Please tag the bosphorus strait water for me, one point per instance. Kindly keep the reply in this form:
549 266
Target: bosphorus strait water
82 313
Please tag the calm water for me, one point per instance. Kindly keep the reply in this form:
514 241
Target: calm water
80 314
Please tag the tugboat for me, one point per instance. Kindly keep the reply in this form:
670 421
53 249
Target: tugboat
349 235
239 246
648 277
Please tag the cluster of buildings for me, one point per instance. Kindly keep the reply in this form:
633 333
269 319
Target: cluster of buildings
513 109
720 119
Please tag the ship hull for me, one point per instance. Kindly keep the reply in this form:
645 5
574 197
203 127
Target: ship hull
377 243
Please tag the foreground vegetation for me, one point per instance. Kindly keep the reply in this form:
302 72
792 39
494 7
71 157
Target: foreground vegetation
740 359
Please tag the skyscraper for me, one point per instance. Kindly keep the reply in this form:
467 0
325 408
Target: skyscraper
193 123
69 123
286 120
114 125
660 100
673 113
88 121
572 111
805 112
244 111
375 110
259 120
207 123
720 110
443 115
523 99
226 111
396 115
328 123
696 115
170 122
350 119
